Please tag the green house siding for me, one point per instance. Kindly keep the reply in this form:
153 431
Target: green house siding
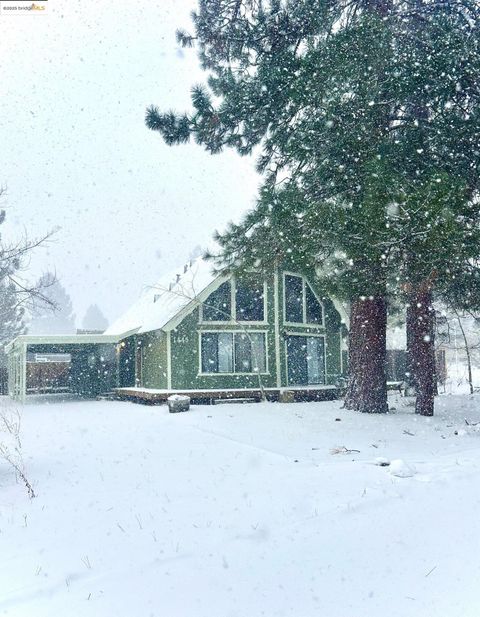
184 344
153 372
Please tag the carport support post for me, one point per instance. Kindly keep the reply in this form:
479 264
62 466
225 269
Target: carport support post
16 373
23 372
10 373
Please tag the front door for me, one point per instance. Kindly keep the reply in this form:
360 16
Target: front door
305 360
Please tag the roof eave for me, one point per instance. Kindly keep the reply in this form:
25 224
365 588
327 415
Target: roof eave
66 339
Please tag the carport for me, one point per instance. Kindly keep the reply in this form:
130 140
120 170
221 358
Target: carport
87 364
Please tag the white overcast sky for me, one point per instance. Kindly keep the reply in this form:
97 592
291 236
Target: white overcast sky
75 153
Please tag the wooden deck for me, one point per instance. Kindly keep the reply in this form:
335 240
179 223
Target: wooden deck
150 396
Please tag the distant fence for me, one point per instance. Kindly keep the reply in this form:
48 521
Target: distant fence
45 377
397 365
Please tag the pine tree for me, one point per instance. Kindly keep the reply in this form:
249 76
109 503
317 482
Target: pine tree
343 98
94 319
440 124
441 237
300 101
57 316
12 316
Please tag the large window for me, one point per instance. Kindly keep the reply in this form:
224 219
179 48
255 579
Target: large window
236 301
305 360
218 305
233 352
313 308
249 301
301 304
294 298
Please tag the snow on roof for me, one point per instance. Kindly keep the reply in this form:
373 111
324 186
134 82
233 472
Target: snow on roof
160 303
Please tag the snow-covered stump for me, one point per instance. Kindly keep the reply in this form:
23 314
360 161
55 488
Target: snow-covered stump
401 469
286 396
178 402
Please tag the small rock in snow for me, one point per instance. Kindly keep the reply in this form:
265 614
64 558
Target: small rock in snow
401 469
382 462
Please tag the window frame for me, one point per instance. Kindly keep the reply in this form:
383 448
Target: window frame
305 323
233 332
233 317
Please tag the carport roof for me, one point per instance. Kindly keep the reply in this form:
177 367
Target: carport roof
63 339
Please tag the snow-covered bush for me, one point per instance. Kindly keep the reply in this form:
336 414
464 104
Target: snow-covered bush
11 446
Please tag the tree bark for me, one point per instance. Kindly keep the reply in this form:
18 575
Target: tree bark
421 351
367 386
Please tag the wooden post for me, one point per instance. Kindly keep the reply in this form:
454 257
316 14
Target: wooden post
23 372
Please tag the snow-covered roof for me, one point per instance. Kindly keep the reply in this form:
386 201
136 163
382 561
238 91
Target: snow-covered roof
160 303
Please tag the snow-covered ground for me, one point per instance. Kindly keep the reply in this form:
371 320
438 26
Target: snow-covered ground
243 510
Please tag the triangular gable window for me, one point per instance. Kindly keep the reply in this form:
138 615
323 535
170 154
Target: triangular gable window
301 304
218 306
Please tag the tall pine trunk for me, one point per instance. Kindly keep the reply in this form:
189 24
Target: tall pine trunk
421 348
367 386
367 341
